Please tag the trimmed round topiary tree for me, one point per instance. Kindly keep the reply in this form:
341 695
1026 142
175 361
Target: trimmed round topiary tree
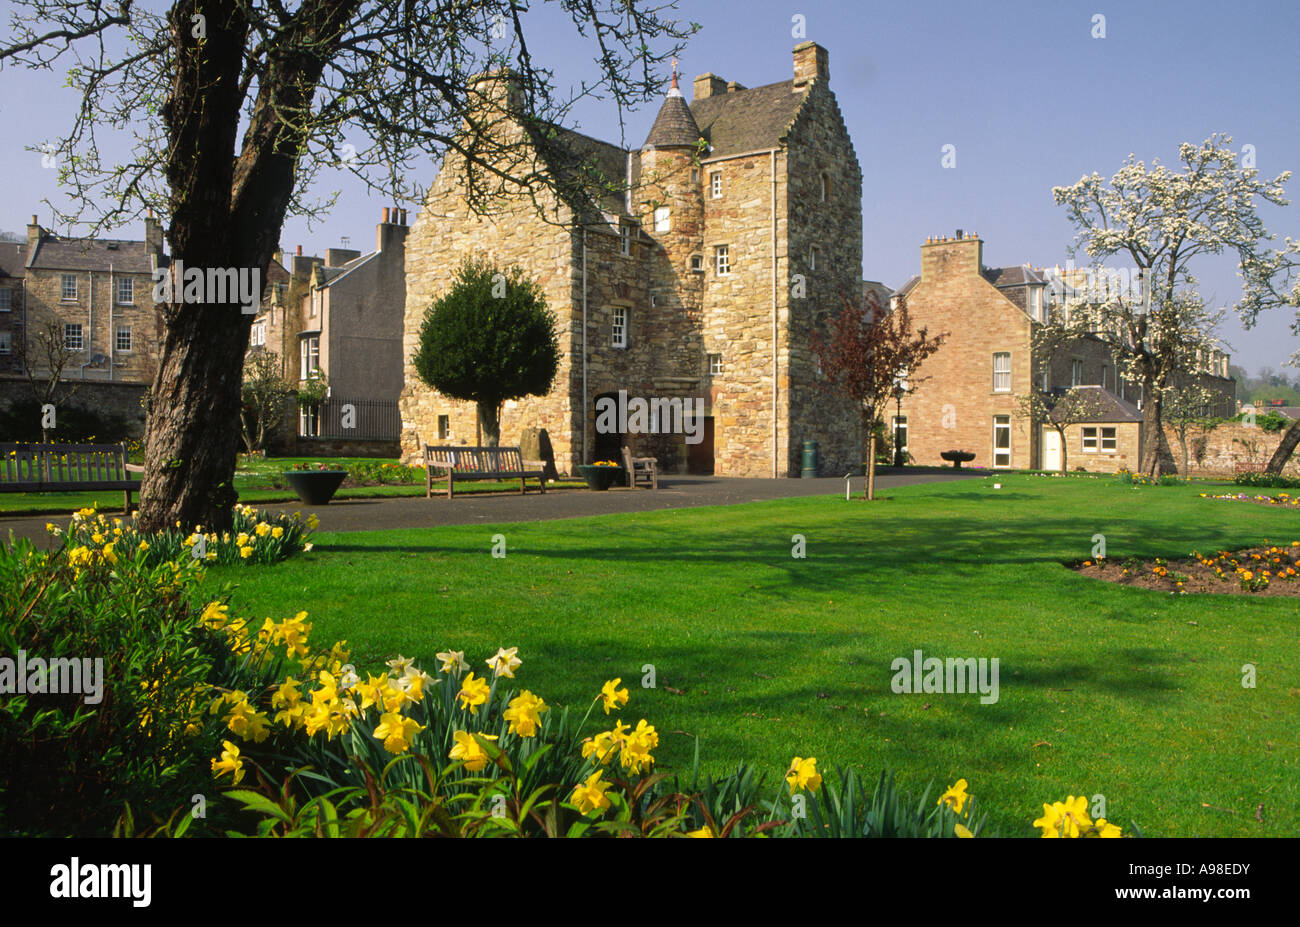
489 339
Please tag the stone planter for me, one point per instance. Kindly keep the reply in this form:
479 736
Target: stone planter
315 487
957 458
600 478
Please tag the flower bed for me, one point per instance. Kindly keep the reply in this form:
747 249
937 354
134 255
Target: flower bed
1272 570
1280 499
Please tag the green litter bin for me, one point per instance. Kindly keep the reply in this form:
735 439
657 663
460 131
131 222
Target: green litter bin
809 470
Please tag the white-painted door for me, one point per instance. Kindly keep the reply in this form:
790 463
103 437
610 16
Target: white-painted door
1051 449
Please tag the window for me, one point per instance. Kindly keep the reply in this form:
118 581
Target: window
1089 440
6 299
1108 439
315 301
722 260
663 219
1002 440
1105 375
619 339
1002 372
1076 372
6 343
309 420
715 184
444 427
1046 378
695 176
626 231
900 432
69 290
309 350
697 262
825 188
72 336
122 338
1036 302
812 257
125 290
715 364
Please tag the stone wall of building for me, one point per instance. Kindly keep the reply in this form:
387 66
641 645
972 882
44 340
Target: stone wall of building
1222 450
824 208
1126 455
955 405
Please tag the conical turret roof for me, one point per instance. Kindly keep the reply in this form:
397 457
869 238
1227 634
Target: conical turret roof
674 126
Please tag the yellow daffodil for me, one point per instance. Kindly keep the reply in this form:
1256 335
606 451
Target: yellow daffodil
590 797
525 714
229 763
955 797
635 756
803 774
962 831
705 831
262 530
470 750
396 732
473 693
1065 819
245 552
277 532
611 695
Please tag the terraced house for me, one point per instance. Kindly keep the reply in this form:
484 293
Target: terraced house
699 273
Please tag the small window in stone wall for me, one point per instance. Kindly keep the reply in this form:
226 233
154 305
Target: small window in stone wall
715 364
1089 440
72 339
715 184
663 219
697 262
125 290
1108 439
619 338
444 427
6 343
122 338
68 286
722 259
825 187
6 299
813 254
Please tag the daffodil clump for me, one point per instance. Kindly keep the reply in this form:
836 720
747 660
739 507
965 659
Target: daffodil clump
253 538
1070 818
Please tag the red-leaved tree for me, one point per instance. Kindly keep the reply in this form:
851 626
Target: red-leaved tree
872 349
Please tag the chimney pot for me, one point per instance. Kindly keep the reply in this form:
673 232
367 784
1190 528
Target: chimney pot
385 217
959 234
34 222
300 251
403 217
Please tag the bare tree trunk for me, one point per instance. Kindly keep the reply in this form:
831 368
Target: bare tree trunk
1065 466
490 417
1290 438
871 464
1156 456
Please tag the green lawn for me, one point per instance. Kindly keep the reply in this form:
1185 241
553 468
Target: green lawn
1133 694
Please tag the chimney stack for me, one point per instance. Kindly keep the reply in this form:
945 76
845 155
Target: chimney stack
33 237
709 85
811 63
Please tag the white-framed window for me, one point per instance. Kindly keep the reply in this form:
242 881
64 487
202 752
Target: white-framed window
1002 441
68 288
309 355
315 301
1036 303
663 219
697 262
125 291
444 427
722 260
6 299
1105 376
122 338
309 420
1108 439
6 343
1089 443
1076 372
72 337
715 364
813 253
619 335
824 187
900 432
625 234
715 184
1002 372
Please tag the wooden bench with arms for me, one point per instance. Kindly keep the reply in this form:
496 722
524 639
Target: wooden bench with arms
479 463
67 468
644 469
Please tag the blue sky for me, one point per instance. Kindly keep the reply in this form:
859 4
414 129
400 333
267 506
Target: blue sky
1023 91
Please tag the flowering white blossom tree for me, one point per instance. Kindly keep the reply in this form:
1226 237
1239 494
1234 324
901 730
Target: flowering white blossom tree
1161 220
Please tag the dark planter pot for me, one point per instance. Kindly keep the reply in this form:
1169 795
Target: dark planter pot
602 477
315 487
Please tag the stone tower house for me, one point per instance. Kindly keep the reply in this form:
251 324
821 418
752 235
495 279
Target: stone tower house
698 271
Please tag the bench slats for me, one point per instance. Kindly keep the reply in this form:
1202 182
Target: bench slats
479 463
65 467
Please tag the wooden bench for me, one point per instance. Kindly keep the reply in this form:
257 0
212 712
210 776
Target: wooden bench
67 468
644 469
479 463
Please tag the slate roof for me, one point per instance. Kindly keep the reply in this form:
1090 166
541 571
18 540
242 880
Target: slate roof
747 120
55 253
1019 275
879 290
1111 409
13 258
674 126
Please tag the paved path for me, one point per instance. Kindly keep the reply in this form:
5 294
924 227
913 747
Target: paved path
492 508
